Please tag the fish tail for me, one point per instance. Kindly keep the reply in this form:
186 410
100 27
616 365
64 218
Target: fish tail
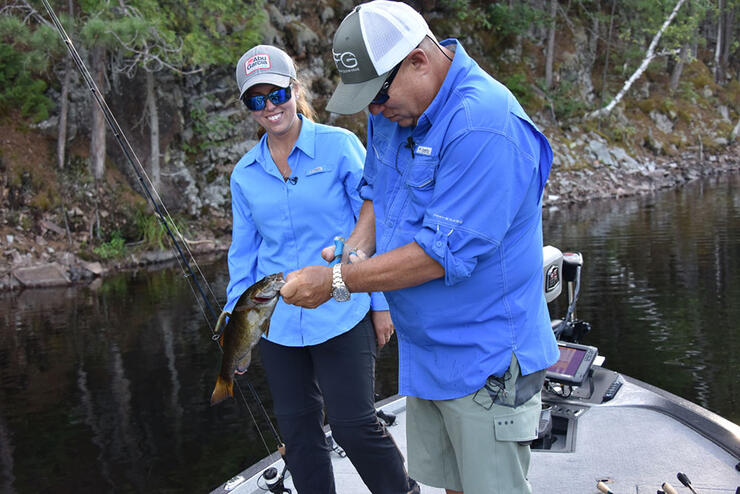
222 391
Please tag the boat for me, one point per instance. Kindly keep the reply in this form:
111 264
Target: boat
599 431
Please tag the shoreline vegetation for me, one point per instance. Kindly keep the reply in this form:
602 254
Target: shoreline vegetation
54 267
635 96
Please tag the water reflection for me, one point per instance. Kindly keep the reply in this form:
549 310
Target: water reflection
107 387
661 285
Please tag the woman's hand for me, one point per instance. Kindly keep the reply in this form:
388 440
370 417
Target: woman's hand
349 256
383 325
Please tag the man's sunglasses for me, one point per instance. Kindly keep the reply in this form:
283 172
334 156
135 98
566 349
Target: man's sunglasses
382 95
257 103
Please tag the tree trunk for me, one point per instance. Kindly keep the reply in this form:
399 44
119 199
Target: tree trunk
593 42
678 68
151 103
718 69
63 112
608 48
551 43
725 55
97 137
64 104
642 68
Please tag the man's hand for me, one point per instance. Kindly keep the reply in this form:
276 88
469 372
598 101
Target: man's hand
350 255
383 326
308 287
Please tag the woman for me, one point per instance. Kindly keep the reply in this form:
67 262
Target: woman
292 193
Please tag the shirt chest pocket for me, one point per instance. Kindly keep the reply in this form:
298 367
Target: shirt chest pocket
419 182
384 154
318 170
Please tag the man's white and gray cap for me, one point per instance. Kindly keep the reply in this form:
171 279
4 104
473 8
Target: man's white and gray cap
369 42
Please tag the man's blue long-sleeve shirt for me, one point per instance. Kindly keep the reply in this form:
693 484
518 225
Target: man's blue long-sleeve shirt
466 185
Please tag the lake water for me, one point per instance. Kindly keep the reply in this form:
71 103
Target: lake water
106 388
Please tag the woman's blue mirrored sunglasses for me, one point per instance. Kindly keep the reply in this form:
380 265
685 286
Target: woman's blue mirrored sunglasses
257 103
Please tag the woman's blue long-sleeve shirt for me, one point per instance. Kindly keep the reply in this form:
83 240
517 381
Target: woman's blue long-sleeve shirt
281 226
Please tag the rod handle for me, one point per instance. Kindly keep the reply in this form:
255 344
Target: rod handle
603 488
668 488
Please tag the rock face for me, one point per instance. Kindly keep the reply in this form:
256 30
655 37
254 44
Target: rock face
38 276
205 130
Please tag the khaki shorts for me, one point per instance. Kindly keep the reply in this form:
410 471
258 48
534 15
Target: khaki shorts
472 444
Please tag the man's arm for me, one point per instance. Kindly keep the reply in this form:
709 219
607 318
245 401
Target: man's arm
400 268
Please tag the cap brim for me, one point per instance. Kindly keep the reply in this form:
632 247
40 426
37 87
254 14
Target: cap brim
273 79
353 98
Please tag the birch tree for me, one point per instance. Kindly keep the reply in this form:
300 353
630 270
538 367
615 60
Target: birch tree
649 56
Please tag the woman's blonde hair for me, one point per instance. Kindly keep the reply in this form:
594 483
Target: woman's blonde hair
301 102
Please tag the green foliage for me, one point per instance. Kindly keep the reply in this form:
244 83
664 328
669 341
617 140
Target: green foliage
517 84
640 20
500 17
206 32
24 59
114 248
152 231
515 19
566 103
206 128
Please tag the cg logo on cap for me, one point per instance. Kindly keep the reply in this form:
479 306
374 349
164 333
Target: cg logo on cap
347 59
257 62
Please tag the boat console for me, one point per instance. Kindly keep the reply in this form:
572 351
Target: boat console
576 380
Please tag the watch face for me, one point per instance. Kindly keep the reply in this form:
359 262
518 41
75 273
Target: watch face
340 294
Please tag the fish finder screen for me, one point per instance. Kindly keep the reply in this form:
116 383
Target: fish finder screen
569 361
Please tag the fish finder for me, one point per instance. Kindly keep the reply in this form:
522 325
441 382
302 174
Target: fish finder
574 363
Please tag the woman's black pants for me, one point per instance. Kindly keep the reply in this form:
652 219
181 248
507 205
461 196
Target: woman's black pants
341 374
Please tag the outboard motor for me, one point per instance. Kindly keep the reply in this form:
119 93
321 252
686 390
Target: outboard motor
565 268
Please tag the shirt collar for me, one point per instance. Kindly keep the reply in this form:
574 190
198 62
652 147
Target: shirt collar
307 138
460 63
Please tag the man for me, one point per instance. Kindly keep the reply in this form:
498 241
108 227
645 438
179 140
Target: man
453 184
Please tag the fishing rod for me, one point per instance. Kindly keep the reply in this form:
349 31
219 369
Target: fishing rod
158 205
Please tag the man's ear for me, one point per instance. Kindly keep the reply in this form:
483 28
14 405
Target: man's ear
418 59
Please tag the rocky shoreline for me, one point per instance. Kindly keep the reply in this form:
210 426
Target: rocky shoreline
611 174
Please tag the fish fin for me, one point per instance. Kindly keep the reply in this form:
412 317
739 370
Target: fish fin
243 364
220 321
222 391
265 327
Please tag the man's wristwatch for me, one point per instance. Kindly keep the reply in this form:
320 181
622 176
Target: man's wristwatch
338 288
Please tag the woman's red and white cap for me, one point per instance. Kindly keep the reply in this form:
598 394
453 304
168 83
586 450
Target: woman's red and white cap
264 64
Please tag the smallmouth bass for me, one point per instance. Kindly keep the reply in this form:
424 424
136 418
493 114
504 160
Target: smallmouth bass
249 319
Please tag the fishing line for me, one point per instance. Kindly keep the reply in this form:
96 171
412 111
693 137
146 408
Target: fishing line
160 211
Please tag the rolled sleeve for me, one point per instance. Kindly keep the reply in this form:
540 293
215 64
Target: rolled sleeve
438 246
478 190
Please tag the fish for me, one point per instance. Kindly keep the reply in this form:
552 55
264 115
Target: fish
248 320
